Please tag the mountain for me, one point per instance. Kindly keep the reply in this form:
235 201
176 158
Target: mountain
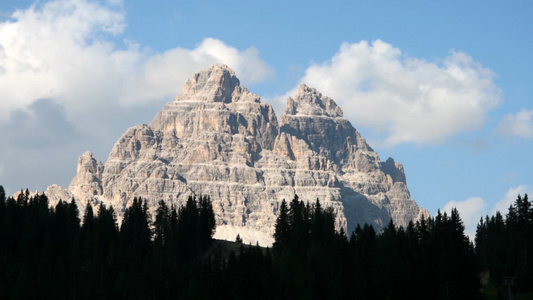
219 139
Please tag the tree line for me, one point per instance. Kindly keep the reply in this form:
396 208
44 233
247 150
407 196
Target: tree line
49 252
504 248
430 259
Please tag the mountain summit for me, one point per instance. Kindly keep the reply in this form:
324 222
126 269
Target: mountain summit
219 139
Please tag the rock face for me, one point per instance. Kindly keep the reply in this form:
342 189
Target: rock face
221 140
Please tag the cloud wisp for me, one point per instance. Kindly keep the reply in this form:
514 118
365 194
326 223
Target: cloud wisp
406 99
519 124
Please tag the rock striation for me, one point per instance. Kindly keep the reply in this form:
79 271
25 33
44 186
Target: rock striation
219 139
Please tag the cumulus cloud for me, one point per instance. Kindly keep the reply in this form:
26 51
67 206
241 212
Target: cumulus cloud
406 99
520 124
160 73
470 210
68 83
45 48
62 50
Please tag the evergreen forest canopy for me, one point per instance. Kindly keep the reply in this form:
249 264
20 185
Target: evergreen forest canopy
50 253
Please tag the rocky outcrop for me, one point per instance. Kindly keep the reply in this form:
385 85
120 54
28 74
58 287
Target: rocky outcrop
219 139
88 180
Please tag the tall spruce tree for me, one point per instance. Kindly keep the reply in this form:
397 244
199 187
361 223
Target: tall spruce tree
207 222
282 228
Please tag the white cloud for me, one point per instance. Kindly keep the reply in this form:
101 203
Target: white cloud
470 210
66 52
62 50
503 205
160 73
47 50
520 124
406 99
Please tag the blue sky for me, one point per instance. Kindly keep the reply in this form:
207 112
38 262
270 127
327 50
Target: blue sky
443 87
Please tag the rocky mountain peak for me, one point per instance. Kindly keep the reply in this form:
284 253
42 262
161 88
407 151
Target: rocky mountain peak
318 122
309 101
88 180
214 84
219 139
394 169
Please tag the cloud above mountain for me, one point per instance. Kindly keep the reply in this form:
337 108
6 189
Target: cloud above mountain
406 99
67 50
160 73
68 58
68 78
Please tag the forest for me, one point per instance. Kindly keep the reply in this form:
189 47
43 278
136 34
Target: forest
53 253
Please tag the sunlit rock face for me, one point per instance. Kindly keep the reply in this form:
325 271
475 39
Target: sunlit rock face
219 139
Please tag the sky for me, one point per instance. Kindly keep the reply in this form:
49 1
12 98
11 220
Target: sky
444 87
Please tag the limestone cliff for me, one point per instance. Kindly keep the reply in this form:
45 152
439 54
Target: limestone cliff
219 139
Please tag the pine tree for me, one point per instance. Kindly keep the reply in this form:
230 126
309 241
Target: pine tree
88 217
207 222
317 222
135 234
238 239
282 229
519 232
187 229
2 194
162 224
299 225
2 214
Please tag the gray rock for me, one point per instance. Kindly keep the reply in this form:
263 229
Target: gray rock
221 140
